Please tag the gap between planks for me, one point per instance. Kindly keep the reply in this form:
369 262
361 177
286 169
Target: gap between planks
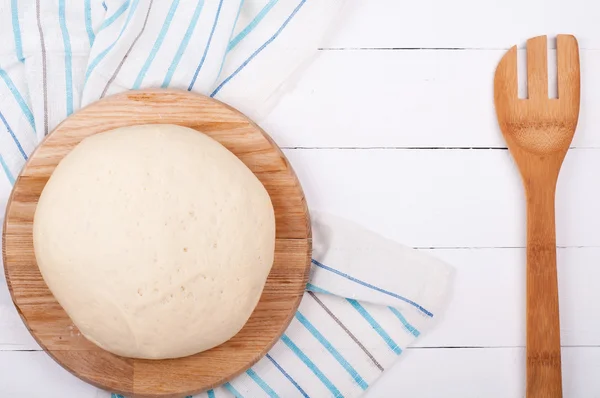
413 148
467 347
413 48
519 47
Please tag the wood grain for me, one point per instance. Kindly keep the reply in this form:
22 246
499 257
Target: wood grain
50 325
538 132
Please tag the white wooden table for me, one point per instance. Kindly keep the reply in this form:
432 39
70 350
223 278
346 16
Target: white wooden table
393 126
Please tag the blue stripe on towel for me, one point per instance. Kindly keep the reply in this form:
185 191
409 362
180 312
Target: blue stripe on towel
262 384
253 24
7 171
12 134
310 365
18 97
255 53
376 326
423 310
109 21
211 393
184 43
103 54
287 376
17 30
411 329
312 288
157 44
232 390
68 55
212 32
104 6
329 347
237 17
88 21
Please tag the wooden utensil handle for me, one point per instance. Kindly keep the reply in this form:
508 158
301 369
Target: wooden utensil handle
543 326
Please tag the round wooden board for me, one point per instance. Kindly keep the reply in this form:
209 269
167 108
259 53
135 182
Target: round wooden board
49 323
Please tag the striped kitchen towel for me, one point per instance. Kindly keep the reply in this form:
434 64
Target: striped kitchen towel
368 298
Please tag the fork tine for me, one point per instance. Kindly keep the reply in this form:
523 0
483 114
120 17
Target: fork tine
505 79
567 54
537 67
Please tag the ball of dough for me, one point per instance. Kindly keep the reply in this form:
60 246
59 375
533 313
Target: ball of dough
156 240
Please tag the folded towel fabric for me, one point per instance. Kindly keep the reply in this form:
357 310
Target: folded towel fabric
368 298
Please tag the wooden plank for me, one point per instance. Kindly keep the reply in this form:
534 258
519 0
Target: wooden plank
488 302
409 99
35 374
487 307
446 198
490 373
397 193
463 23
423 373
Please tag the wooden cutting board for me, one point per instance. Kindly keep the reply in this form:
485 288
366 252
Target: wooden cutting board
53 329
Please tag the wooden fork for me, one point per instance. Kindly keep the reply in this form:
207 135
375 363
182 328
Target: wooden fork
538 132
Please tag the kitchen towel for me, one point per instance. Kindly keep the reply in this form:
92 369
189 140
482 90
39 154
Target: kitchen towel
368 298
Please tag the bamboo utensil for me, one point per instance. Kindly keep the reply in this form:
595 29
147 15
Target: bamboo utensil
538 132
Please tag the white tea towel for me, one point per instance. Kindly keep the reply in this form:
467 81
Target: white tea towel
368 298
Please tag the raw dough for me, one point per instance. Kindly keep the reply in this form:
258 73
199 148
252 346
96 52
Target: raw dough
156 240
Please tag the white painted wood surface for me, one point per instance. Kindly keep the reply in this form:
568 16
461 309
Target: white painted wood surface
410 98
395 117
464 23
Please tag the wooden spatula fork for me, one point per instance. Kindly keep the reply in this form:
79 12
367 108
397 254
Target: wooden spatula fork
538 132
